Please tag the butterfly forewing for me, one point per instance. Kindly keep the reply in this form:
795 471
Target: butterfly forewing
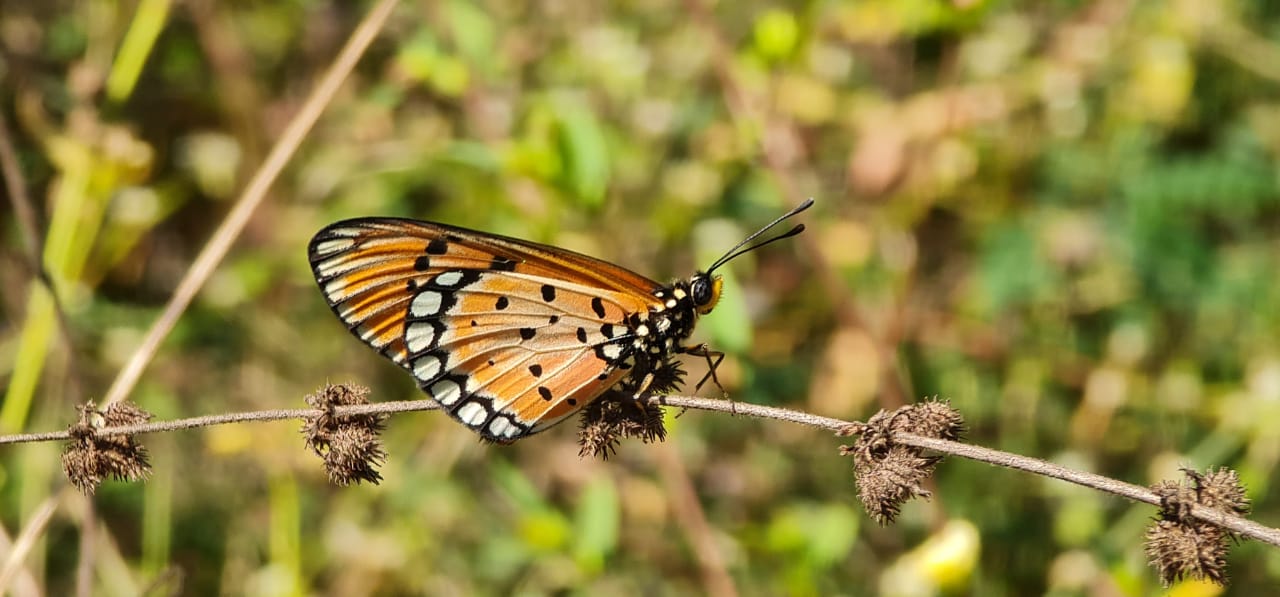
508 336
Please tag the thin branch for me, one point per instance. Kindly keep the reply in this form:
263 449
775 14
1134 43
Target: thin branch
1241 526
258 416
256 191
1137 493
751 410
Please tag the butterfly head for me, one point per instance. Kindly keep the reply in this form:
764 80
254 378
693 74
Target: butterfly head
704 290
705 287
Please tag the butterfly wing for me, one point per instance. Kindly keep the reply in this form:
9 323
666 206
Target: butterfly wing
508 336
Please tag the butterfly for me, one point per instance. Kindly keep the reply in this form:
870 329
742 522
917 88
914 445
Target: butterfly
510 336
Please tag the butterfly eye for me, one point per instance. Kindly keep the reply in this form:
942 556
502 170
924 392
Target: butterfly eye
705 292
700 289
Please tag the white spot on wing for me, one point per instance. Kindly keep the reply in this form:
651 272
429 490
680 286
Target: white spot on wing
449 278
333 289
499 425
333 245
612 351
419 335
446 391
349 232
347 263
511 431
472 413
427 303
427 368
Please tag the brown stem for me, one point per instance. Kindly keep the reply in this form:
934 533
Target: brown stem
692 519
23 208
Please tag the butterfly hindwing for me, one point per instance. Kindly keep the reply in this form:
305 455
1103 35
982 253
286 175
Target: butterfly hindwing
508 336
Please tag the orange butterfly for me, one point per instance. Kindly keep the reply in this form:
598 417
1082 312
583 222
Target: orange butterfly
509 336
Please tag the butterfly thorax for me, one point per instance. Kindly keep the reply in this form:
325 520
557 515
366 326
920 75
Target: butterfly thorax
653 338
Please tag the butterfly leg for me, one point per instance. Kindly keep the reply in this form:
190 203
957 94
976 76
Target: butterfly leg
643 385
713 357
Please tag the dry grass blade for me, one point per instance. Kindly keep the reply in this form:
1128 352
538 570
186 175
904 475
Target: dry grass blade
256 191
23 582
26 540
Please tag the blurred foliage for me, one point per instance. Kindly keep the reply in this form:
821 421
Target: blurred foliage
1062 216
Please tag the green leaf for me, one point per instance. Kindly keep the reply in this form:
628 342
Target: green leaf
584 152
598 518
833 530
776 34
473 31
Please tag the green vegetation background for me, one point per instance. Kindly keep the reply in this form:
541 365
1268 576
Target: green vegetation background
1062 216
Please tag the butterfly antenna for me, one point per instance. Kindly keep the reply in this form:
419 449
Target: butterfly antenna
738 249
